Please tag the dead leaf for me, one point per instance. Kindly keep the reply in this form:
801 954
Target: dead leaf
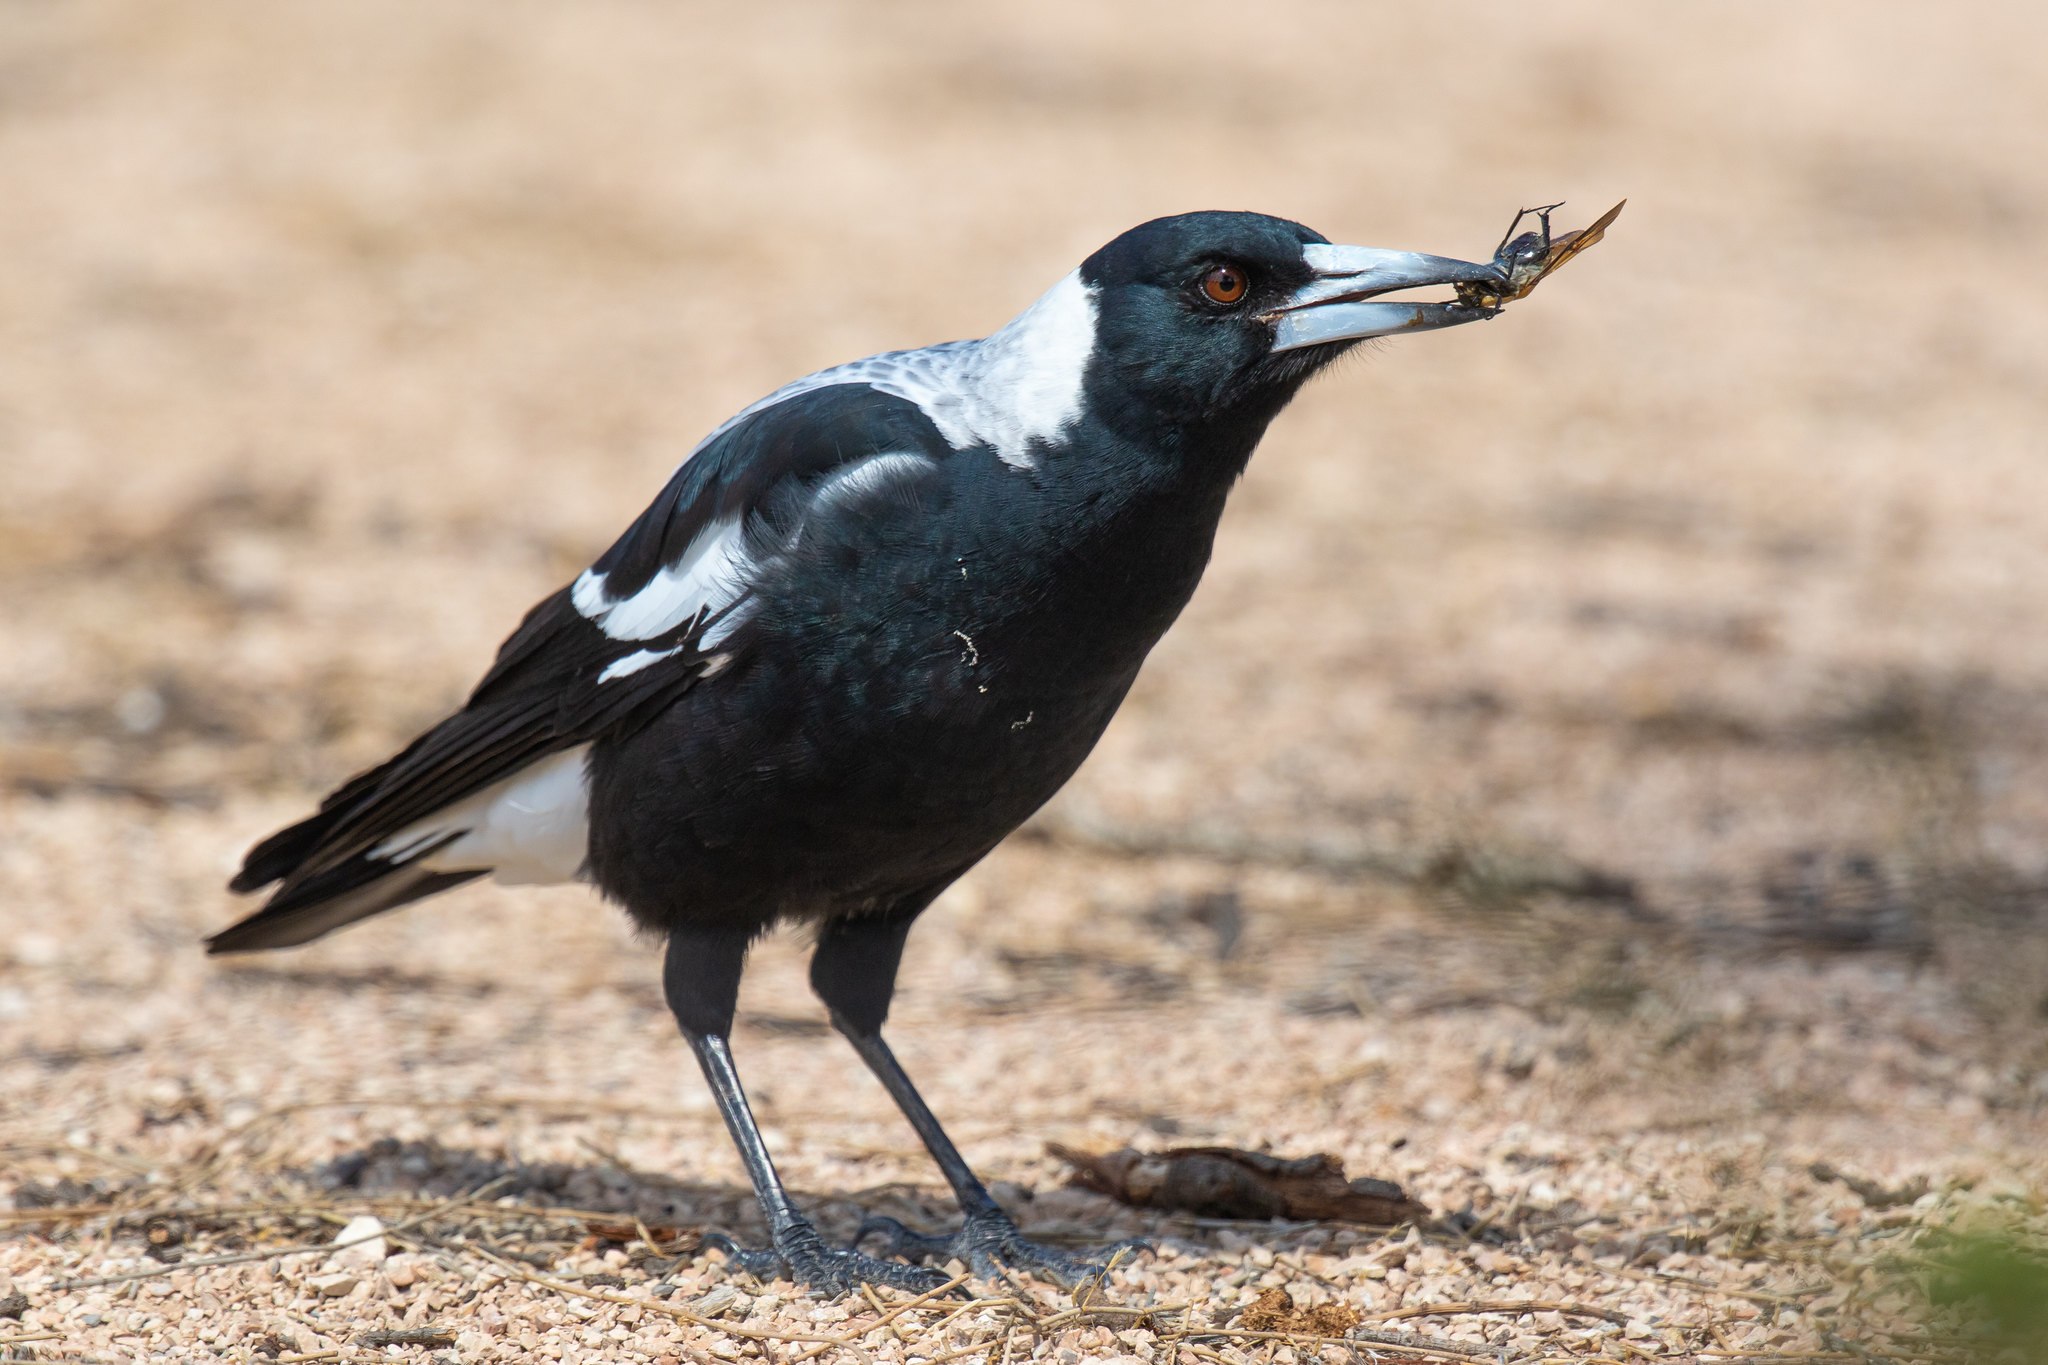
1226 1182
625 1234
1274 1311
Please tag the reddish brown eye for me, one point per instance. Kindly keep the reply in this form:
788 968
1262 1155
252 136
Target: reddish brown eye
1225 284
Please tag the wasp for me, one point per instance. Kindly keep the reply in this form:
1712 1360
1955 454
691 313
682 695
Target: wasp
1526 259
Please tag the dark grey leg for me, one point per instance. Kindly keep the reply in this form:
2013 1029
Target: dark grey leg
701 976
854 972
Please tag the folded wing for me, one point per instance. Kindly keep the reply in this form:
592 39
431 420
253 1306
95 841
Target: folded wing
500 786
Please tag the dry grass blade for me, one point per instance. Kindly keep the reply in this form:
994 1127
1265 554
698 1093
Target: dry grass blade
961 1352
1776 1357
242 1258
431 1337
1445 1310
1095 1312
1442 1350
889 1314
648 1305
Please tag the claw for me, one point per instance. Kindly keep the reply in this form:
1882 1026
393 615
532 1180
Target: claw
803 1256
760 1262
989 1243
902 1239
1129 1246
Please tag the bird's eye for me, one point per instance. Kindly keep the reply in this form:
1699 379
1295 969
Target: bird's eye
1225 284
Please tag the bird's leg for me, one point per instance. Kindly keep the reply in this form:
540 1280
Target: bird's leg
700 976
988 1238
854 972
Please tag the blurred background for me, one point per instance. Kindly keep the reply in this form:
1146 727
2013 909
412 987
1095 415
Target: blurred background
1606 769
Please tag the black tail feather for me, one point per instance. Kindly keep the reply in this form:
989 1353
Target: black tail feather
291 919
280 855
326 868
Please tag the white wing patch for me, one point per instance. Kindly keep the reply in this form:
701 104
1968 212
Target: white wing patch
714 573
632 663
708 578
868 476
533 827
1016 388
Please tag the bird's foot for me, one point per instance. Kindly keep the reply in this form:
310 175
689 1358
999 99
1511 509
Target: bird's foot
988 1242
801 1254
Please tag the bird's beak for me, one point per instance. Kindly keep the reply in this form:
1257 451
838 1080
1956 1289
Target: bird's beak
1342 302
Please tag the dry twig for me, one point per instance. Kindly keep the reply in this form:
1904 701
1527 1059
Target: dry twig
270 1253
1445 1310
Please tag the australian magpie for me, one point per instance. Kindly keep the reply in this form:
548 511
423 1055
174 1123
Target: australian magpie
870 625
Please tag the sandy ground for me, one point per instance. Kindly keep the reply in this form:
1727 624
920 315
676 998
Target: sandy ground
1604 775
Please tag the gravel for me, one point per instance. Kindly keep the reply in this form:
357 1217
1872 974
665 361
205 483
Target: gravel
1600 787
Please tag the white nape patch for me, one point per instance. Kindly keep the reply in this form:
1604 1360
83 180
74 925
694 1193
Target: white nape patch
1018 384
1023 384
709 577
533 827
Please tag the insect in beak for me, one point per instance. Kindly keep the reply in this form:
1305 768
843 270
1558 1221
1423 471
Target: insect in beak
1529 258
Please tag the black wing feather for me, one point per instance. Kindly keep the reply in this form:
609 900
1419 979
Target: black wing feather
543 692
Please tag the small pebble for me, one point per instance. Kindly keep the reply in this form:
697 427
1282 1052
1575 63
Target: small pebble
722 1300
334 1286
361 1243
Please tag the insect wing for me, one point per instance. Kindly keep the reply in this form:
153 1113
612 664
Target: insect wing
1566 245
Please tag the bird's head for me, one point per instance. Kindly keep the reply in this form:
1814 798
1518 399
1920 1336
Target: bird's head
1217 317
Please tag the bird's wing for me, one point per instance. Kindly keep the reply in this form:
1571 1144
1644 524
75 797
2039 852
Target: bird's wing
667 606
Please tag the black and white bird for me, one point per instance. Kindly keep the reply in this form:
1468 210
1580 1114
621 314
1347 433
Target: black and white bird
870 625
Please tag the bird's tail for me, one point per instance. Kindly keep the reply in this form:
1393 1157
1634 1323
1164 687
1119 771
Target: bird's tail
391 836
308 905
303 914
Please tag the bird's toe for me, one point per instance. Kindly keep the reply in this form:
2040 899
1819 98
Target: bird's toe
989 1243
800 1255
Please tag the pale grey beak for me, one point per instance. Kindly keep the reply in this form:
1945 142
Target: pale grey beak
1341 303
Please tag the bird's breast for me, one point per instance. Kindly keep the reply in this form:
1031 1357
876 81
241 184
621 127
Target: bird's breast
910 689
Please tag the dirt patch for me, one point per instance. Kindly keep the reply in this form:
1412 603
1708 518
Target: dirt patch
1600 786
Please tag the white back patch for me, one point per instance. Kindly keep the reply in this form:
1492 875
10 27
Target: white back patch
533 827
1018 384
